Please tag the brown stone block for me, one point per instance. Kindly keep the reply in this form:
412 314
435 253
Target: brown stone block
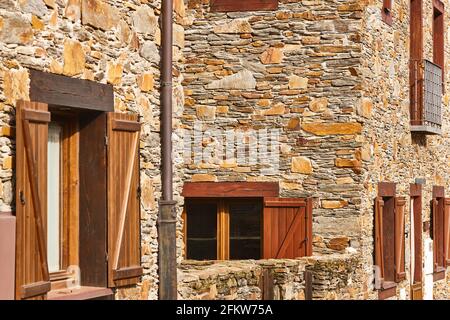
323 129
16 85
301 165
99 14
294 124
334 204
74 58
347 163
272 55
339 243
203 177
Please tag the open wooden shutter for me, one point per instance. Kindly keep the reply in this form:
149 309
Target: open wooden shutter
434 232
399 239
447 232
124 257
379 256
287 228
32 277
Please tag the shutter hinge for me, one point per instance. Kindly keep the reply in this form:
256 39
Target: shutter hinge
106 256
139 191
106 140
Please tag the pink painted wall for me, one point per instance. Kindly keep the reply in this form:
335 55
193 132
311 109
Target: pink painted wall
7 255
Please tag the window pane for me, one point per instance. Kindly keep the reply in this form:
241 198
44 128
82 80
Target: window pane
245 230
53 197
201 231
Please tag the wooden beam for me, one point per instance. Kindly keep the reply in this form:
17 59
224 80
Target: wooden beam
64 91
438 192
230 189
386 189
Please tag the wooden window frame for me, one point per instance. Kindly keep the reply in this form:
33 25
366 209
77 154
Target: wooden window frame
223 224
386 12
69 197
389 258
242 6
438 233
197 191
94 104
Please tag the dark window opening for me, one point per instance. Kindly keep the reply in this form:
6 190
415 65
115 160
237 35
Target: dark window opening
223 229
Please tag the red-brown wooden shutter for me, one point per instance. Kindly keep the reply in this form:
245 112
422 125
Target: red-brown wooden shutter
379 256
399 239
447 232
124 257
32 277
435 234
287 228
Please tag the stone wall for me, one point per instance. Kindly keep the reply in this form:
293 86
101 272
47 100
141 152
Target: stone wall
393 153
334 277
296 70
112 41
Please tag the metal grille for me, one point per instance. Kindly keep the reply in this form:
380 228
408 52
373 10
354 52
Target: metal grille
432 100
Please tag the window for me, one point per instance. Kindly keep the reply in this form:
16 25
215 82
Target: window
440 218
77 197
244 221
250 5
426 77
438 36
223 229
62 197
389 239
386 12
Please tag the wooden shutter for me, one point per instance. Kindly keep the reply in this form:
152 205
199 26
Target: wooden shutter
32 277
379 255
447 232
434 232
399 239
124 257
287 230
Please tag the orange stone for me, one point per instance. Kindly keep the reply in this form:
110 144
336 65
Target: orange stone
324 129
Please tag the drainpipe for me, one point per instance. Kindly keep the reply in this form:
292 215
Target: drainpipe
167 213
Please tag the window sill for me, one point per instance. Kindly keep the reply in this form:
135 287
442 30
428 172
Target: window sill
81 293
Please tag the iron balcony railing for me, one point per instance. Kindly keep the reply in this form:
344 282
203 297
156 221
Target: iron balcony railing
426 97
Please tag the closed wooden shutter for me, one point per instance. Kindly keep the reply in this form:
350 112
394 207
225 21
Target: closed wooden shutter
447 232
32 277
379 255
400 273
287 228
124 257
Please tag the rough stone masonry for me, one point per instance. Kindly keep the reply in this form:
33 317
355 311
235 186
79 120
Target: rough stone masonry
329 74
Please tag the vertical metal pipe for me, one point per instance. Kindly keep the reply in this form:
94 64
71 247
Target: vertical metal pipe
167 214
166 99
